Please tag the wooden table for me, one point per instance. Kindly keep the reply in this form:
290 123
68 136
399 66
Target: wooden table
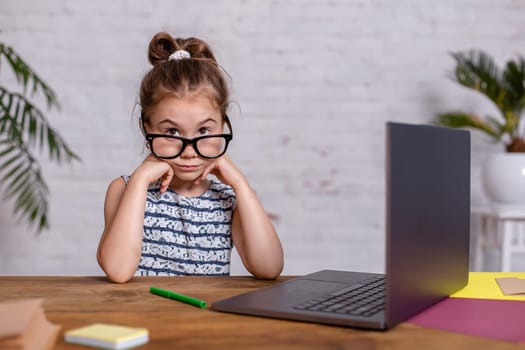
78 301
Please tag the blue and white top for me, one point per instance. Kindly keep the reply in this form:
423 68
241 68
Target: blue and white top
187 235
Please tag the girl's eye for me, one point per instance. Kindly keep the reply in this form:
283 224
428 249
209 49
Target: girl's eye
172 132
204 131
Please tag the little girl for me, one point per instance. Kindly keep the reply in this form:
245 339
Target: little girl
168 218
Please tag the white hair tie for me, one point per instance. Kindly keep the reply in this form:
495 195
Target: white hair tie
179 55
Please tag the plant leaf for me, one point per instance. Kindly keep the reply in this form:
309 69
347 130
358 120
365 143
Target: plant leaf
464 120
33 121
17 181
514 78
29 190
23 129
476 70
24 74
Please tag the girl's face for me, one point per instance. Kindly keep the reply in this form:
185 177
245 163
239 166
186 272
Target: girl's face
187 117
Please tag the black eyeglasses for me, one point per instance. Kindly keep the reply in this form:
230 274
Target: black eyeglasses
207 146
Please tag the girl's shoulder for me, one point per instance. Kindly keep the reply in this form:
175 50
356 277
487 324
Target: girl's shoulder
220 189
115 189
153 186
219 192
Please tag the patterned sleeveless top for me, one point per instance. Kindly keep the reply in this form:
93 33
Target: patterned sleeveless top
187 235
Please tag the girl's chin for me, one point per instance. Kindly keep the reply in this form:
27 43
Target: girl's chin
188 176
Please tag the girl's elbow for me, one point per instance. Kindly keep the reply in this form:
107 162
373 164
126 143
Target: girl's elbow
114 274
266 276
118 276
269 273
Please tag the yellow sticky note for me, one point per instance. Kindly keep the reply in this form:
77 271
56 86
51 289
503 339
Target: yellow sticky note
108 336
482 285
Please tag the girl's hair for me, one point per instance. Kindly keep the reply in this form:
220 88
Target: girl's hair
181 77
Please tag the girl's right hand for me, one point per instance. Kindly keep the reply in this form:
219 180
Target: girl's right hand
153 169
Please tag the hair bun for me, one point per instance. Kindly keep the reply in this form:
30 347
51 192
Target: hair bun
163 45
196 47
160 48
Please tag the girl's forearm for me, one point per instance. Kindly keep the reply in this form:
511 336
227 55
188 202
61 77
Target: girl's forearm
119 252
262 247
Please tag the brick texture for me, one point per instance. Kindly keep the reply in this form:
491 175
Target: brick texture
313 81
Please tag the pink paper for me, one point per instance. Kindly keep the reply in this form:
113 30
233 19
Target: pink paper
498 319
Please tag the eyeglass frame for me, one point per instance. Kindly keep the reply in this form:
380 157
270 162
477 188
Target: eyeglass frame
186 141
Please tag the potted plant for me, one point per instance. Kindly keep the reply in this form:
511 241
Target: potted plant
23 130
503 175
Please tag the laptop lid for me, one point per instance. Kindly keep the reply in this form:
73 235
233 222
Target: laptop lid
428 216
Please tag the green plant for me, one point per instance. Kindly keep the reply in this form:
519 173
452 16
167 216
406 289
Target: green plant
23 130
505 87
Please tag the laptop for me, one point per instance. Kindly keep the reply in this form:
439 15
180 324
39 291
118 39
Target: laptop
427 242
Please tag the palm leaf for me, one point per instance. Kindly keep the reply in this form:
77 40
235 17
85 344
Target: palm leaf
477 70
25 123
514 78
25 75
24 127
23 180
495 124
23 130
464 120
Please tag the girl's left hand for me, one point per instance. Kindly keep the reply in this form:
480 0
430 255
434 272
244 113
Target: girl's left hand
225 171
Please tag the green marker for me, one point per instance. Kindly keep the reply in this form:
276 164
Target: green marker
179 297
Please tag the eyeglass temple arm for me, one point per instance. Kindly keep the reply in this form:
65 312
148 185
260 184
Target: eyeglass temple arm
227 120
143 127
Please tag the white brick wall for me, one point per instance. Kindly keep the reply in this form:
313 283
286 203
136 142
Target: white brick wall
315 82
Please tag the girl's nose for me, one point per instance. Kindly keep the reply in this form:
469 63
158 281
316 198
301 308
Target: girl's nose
188 152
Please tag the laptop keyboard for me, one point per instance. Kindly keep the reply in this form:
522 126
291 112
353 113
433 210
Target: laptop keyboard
364 298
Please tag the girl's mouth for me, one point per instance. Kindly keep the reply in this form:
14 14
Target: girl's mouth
188 167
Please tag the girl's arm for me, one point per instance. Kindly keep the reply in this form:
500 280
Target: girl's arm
120 245
253 234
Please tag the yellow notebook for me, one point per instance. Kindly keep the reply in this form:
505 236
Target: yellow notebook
483 285
107 336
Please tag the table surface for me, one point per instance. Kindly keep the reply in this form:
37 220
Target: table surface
73 302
